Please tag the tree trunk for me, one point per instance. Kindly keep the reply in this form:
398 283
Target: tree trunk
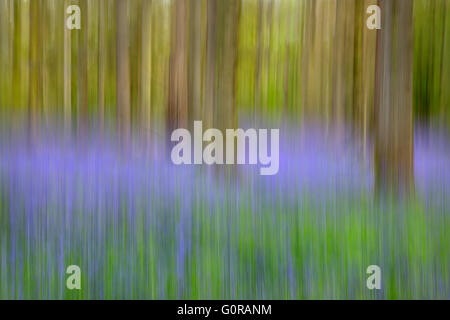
146 64
123 72
228 26
393 97
16 53
195 60
259 55
35 78
343 61
102 38
364 68
178 78
67 74
82 97
210 77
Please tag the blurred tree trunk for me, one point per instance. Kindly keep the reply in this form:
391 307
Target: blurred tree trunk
67 74
267 50
5 36
18 56
343 60
288 61
195 60
102 40
259 54
82 97
135 58
178 77
16 49
227 27
393 97
364 69
35 87
46 44
306 44
318 56
211 38
146 65
123 72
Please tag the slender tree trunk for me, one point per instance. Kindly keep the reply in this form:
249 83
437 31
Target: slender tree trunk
195 60
4 34
35 87
16 53
287 62
364 68
318 54
123 72
445 66
307 42
46 43
146 64
82 97
393 97
267 54
209 93
259 54
136 61
442 65
228 26
343 60
67 74
102 39
12 29
178 78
